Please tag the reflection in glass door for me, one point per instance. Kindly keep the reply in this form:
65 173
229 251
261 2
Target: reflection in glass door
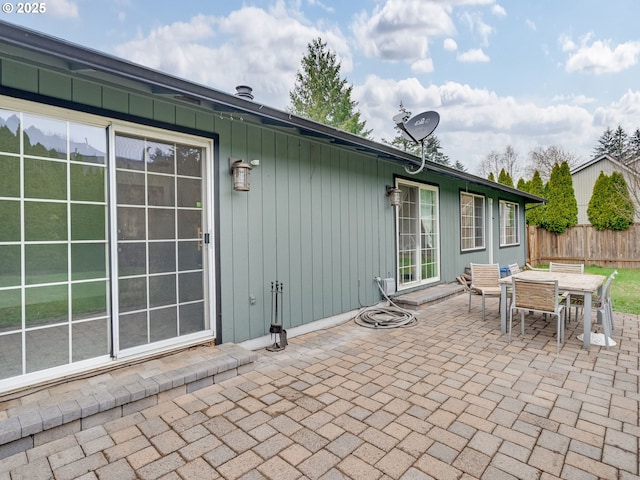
54 285
418 235
160 252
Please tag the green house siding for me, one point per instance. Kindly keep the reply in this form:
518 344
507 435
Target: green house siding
316 218
313 221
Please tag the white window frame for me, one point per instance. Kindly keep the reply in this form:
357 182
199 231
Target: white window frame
400 183
475 222
209 260
508 225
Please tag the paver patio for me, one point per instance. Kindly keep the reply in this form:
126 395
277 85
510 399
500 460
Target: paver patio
449 398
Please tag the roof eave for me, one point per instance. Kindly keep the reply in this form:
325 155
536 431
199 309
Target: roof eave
81 58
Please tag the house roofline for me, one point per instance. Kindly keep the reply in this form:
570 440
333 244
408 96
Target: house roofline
77 59
604 156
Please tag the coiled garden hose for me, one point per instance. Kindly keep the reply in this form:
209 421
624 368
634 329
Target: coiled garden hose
390 316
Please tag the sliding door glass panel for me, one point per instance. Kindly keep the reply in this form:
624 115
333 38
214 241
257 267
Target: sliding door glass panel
10 355
9 176
10 221
46 263
160 225
53 200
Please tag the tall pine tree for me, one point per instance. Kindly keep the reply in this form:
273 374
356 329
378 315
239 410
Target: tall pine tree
320 94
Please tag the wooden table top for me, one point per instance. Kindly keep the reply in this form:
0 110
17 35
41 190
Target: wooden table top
576 282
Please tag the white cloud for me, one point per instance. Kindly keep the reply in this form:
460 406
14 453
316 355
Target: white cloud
422 66
624 112
574 99
450 44
473 56
567 44
498 10
474 121
476 25
531 25
601 56
321 5
62 8
222 52
400 29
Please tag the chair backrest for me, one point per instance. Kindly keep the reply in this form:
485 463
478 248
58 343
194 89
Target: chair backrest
566 267
485 275
514 268
538 295
606 288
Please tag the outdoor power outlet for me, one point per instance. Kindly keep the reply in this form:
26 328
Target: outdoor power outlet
389 286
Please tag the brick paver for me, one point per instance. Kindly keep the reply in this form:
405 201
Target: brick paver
449 398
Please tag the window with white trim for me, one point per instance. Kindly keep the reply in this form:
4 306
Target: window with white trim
509 223
418 235
471 221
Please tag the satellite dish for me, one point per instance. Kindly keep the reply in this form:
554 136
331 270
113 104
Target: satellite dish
422 125
416 130
399 117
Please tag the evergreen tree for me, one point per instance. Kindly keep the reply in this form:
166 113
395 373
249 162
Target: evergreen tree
596 211
605 144
320 94
634 145
561 211
432 151
459 166
535 212
491 177
523 185
504 178
610 206
623 209
620 145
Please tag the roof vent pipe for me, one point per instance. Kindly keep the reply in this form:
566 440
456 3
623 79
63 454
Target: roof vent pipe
244 91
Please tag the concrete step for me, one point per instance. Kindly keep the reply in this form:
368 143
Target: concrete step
428 296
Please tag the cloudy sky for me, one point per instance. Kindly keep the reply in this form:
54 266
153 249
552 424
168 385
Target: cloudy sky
499 72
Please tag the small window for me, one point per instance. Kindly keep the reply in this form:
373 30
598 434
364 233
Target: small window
471 221
508 223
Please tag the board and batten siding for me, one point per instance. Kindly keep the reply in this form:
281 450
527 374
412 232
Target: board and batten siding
316 217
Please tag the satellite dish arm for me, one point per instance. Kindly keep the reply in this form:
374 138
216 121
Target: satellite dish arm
414 172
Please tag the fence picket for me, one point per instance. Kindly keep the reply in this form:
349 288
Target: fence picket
585 244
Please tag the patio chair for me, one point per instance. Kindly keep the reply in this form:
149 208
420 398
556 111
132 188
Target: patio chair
566 267
602 304
575 300
531 267
540 296
484 281
514 268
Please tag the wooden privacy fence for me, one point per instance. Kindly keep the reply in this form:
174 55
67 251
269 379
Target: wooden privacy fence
585 244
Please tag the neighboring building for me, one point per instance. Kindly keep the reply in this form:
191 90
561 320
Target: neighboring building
584 177
122 234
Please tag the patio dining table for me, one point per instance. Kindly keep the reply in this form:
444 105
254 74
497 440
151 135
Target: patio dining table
571 283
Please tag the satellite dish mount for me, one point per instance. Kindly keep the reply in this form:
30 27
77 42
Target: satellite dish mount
417 129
